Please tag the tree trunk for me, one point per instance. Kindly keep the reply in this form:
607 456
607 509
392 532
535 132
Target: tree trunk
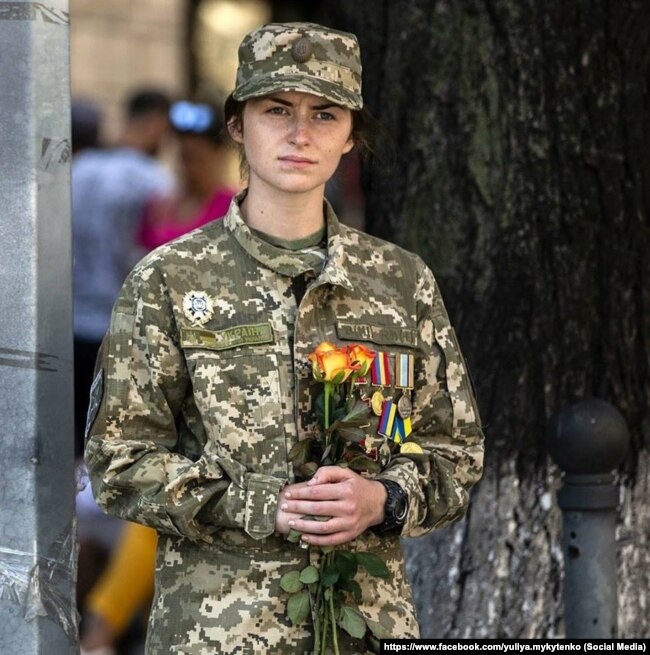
520 174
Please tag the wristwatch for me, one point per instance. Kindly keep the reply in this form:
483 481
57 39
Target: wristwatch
395 509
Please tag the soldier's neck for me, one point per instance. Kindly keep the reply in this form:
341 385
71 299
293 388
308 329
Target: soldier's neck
287 216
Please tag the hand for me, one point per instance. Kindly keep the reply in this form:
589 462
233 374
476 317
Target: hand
350 502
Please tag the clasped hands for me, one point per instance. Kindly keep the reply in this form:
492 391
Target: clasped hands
349 502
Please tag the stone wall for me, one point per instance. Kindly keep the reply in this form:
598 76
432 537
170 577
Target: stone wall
119 45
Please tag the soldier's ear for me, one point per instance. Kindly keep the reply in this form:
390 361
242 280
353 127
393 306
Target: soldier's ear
236 130
349 144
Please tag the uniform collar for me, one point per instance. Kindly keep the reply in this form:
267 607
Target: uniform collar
286 262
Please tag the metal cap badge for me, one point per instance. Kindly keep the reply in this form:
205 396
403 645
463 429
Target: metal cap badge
300 57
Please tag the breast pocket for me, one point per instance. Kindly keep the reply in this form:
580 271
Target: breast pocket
239 396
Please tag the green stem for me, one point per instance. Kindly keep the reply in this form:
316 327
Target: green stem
334 628
328 394
317 622
325 626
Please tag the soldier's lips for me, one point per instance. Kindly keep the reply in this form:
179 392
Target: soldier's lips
295 161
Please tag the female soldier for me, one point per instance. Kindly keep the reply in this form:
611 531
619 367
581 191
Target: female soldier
203 385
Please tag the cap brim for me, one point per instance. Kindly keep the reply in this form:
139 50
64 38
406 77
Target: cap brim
315 85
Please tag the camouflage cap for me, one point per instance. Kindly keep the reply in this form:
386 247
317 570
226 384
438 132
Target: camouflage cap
300 57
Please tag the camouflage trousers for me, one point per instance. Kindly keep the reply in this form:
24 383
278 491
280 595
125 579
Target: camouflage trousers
226 597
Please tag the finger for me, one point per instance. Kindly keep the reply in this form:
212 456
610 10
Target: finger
314 508
318 492
334 539
329 474
313 527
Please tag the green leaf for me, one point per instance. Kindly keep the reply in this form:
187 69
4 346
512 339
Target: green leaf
351 433
358 411
352 621
306 470
329 576
309 574
364 463
326 453
373 564
298 608
352 587
378 629
294 536
290 582
301 452
346 563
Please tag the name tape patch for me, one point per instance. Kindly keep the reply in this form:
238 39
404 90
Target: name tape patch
384 335
239 335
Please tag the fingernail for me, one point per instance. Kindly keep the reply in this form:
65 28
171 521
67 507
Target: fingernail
292 523
288 494
284 506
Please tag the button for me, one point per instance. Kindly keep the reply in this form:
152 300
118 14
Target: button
302 50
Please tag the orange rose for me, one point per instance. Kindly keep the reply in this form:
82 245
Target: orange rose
331 364
322 347
362 356
314 358
336 366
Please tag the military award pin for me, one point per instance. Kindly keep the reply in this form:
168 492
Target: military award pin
197 307
377 402
404 406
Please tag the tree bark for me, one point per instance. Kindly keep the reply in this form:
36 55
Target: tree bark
520 174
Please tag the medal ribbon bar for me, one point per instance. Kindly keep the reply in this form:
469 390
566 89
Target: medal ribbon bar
380 371
404 371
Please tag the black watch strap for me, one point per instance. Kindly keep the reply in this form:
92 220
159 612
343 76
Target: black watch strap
395 509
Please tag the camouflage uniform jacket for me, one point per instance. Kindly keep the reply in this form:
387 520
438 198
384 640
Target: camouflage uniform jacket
198 402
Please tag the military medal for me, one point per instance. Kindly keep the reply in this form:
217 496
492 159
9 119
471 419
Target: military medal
379 377
377 402
404 406
198 307
404 379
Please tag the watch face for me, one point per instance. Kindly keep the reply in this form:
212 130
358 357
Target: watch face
400 509
396 505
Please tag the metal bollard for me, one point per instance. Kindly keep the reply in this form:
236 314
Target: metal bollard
588 440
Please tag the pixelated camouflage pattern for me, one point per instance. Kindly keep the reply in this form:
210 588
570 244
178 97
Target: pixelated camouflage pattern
268 64
193 441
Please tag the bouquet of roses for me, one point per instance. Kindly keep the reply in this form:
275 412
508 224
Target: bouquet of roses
330 592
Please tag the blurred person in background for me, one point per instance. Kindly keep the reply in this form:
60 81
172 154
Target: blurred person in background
110 188
123 593
85 124
118 604
203 191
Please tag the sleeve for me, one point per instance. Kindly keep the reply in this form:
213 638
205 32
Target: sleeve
142 416
133 559
445 422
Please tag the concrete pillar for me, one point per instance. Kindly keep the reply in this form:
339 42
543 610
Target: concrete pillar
37 545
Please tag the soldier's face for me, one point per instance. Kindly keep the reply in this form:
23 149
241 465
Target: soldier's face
293 141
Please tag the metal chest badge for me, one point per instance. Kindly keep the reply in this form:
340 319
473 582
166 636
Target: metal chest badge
198 307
